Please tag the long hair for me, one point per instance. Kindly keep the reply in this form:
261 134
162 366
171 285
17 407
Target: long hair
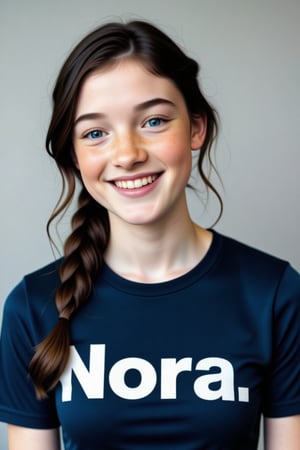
84 248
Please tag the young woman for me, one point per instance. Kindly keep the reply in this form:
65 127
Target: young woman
151 332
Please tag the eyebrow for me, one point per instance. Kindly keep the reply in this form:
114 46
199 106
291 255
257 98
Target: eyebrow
140 107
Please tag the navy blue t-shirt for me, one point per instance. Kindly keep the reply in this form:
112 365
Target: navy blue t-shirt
186 364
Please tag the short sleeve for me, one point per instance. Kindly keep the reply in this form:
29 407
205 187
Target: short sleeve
18 402
283 378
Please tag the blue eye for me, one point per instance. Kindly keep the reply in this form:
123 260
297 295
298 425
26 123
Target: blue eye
95 134
154 122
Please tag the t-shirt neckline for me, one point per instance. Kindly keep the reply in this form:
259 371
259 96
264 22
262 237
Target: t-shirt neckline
166 287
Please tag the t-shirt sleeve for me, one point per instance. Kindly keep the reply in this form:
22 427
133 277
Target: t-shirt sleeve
283 378
18 402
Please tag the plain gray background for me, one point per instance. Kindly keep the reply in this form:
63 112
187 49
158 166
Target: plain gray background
250 58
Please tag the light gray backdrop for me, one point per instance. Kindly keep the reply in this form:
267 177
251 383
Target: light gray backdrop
250 58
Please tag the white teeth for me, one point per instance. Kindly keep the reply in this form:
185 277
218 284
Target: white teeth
134 184
138 183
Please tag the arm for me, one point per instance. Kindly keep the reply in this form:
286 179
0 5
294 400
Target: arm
282 433
21 438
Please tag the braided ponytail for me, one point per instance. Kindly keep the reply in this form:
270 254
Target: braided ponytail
83 259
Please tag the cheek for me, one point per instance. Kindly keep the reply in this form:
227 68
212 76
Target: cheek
177 150
90 165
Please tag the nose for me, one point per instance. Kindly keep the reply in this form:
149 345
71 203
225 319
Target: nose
129 151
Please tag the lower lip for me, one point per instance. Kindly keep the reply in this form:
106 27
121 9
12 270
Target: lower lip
137 192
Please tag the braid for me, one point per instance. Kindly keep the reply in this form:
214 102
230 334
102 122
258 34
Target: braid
83 258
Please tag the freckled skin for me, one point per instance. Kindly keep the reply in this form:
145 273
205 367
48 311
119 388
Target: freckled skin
123 141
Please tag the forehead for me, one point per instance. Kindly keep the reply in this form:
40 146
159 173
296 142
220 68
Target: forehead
124 81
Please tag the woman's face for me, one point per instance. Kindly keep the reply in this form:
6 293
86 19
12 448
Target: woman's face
133 138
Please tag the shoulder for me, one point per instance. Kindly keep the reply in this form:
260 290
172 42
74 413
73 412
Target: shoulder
44 277
250 259
39 282
256 270
33 297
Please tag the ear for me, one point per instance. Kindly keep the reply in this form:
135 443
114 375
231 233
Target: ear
198 132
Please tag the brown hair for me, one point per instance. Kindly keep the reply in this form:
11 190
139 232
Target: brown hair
84 248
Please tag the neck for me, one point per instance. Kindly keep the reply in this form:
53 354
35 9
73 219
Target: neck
156 252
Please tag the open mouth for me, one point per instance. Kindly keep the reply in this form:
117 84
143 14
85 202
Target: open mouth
137 182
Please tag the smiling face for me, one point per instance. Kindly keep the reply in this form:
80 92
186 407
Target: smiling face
132 139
